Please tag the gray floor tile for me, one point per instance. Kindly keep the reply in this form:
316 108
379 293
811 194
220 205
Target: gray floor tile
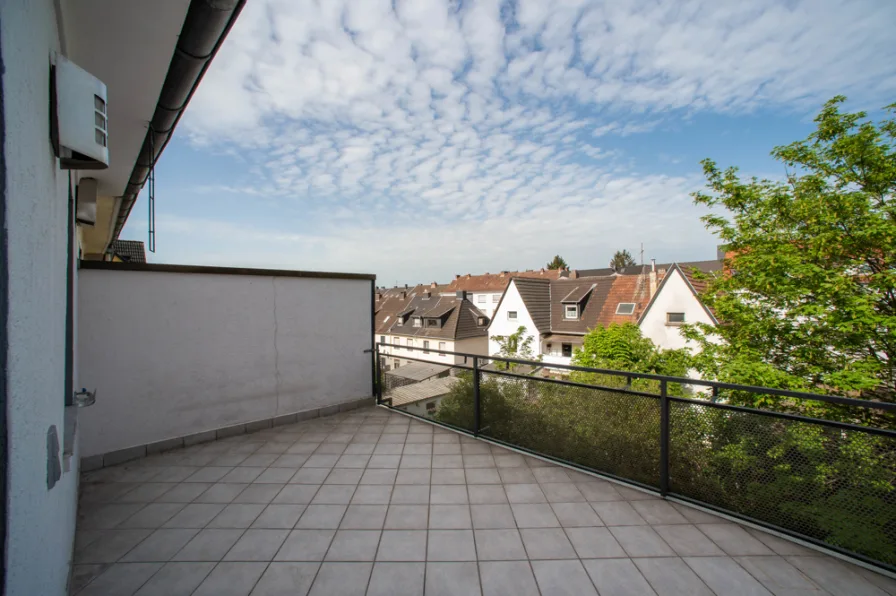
364 517
688 541
574 515
396 579
516 476
499 545
194 515
562 492
236 515
451 545
779 576
696 516
525 493
487 494
724 576
563 578
372 494
259 494
209 474
534 515
410 494
407 517
257 545
354 545
547 543
243 475
286 579
176 579
448 476
414 448
275 476
402 545
161 545
452 579
145 493
208 545
834 576
443 494
298 494
344 579
617 513
305 545
318 461
123 578
415 461
595 543
153 515
670 576
279 516
353 461
375 476
641 541
84 574
551 474
310 476
492 517
616 577
598 491
110 546
446 461
106 517
259 460
781 546
413 476
231 579
221 493
450 517
734 540
658 512
333 494
507 578
482 476
317 517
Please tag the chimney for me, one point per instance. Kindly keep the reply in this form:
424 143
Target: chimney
542 271
427 294
433 285
468 276
652 277
574 274
379 296
457 276
461 295
563 274
403 295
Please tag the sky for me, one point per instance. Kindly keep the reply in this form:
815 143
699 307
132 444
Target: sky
419 139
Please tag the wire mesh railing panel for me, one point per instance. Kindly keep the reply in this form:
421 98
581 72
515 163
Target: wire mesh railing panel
834 485
608 431
426 396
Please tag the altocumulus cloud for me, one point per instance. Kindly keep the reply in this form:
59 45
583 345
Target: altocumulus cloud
471 131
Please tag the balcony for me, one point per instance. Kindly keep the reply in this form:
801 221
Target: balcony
372 501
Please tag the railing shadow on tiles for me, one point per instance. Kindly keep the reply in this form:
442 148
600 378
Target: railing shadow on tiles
815 467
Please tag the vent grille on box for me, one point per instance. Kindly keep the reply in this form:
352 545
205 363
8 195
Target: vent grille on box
99 115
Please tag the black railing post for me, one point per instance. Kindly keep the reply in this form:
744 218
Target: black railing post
664 438
476 405
379 373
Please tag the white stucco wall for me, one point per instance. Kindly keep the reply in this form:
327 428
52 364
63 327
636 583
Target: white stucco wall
172 354
471 345
40 521
674 296
500 325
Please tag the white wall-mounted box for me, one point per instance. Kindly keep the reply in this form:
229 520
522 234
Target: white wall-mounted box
80 117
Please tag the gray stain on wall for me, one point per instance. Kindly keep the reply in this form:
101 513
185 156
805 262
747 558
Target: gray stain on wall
54 467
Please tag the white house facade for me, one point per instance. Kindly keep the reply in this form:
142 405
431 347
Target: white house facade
675 303
510 315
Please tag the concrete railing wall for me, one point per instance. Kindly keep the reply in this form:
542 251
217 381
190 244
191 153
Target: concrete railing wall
174 351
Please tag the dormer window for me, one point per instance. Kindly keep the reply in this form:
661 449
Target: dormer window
433 322
399 320
482 321
571 311
418 322
625 308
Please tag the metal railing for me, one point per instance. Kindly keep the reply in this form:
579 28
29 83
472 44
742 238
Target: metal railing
816 467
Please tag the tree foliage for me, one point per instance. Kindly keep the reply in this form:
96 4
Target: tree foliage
557 262
622 259
517 345
809 297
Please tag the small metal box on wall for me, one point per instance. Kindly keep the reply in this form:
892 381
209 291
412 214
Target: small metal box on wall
79 118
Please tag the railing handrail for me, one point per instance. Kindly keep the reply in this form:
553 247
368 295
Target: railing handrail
832 399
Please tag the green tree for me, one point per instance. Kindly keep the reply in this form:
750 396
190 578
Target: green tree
808 300
622 259
623 348
517 345
557 262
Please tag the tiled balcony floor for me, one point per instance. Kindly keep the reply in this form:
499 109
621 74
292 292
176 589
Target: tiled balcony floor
371 502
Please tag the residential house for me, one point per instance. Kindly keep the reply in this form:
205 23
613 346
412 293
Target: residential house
558 313
485 290
675 302
128 251
436 323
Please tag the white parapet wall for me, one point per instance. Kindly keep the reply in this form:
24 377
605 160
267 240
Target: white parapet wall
175 351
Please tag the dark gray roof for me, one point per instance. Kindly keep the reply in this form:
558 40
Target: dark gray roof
459 318
578 293
418 371
536 295
131 251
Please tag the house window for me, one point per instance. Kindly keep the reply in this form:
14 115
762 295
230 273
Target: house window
511 315
399 321
417 322
496 298
431 406
432 322
382 339
441 348
410 343
571 311
674 318
567 350
480 298
625 308
396 364
396 341
425 347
